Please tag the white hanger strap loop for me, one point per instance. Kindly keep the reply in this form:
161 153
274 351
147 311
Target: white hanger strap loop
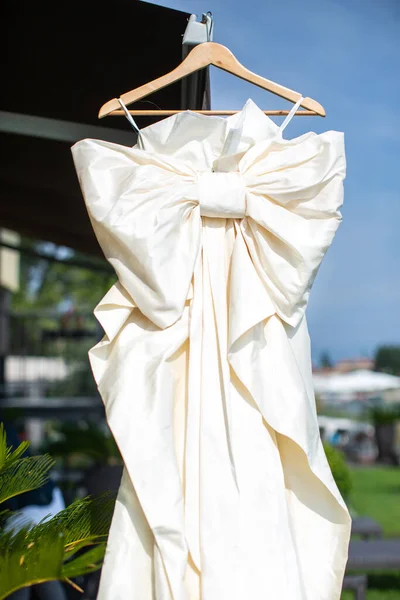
291 113
129 116
132 122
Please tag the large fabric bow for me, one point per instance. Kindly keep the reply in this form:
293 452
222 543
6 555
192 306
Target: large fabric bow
147 209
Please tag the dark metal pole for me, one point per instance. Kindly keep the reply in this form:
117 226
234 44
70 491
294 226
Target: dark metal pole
5 305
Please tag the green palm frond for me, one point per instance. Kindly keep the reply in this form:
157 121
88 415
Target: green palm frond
46 550
85 563
19 475
23 475
8 456
30 559
53 549
4 514
84 522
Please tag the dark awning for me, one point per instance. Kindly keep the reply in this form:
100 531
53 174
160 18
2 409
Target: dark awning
61 65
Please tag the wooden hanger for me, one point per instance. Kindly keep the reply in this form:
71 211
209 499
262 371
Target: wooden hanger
203 55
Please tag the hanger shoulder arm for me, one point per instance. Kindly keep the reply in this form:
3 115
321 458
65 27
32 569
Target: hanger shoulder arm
223 58
192 63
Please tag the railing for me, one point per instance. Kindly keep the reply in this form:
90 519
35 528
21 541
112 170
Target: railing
47 354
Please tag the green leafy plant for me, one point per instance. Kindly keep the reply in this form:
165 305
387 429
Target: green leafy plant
70 544
84 439
340 470
387 359
384 415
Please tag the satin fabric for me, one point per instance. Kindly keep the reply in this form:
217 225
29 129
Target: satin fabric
216 229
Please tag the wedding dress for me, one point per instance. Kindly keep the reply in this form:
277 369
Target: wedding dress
216 229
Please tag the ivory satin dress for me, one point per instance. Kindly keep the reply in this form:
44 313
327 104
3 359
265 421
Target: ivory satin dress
215 228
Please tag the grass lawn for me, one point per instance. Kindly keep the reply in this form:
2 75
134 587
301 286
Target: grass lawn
375 595
381 586
376 494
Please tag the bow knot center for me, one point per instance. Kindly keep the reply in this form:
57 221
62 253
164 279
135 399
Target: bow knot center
222 195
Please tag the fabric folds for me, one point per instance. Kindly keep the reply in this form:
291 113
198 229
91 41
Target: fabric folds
216 230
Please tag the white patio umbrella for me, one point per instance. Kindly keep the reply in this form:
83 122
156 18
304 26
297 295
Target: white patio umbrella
360 381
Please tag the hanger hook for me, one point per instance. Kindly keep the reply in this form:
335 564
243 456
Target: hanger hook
208 19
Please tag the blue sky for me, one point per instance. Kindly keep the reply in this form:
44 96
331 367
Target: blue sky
346 55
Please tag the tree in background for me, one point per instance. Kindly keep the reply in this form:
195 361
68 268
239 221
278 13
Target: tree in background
51 279
325 360
340 470
387 359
